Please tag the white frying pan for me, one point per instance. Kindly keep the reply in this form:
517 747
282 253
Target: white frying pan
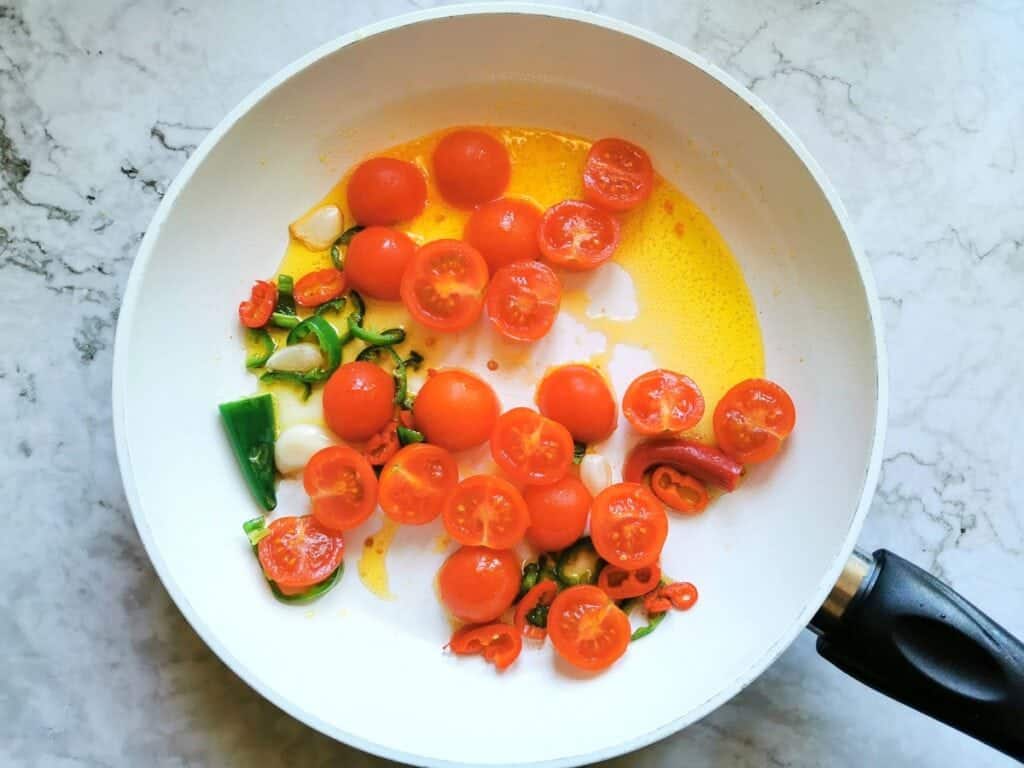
766 559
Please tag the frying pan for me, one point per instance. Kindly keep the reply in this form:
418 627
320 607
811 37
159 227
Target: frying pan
769 560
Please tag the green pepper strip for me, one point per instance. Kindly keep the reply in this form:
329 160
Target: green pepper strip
408 436
387 338
579 450
538 616
531 575
652 624
256 530
249 423
334 305
372 354
330 345
344 239
258 336
282 320
285 297
289 377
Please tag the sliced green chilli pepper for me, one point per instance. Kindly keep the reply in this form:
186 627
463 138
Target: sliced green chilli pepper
413 360
334 305
538 616
283 320
285 298
407 436
548 565
249 423
257 530
579 564
330 345
372 354
289 377
260 346
387 338
344 239
531 575
652 624
579 450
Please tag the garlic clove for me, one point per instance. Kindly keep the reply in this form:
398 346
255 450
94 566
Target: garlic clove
298 358
319 228
595 472
296 445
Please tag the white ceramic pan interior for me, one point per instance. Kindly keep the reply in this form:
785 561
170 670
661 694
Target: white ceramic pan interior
763 558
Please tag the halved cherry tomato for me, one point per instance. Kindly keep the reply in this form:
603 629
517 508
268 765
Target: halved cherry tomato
477 584
456 410
618 175
384 191
682 493
662 401
704 462
577 236
486 510
587 629
315 288
471 167
538 602
523 299
578 398
358 400
299 552
443 286
499 644
342 486
531 448
558 513
415 483
376 260
681 595
752 419
620 584
628 525
255 311
504 231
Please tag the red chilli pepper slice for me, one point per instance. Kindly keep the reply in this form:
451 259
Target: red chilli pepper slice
533 608
688 456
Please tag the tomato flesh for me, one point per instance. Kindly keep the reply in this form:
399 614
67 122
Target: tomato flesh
662 401
299 552
470 167
478 584
415 483
443 285
523 300
499 644
628 526
456 410
681 492
752 419
587 629
577 236
315 288
618 175
504 231
532 449
486 510
342 486
255 312
385 190
579 398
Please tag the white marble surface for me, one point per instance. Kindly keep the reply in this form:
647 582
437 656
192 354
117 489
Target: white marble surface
915 110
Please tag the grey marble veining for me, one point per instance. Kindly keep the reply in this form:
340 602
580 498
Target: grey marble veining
915 110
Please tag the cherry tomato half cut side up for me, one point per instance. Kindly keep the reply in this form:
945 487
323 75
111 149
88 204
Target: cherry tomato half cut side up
384 191
456 410
358 400
499 644
628 525
620 584
478 584
662 401
504 231
532 449
471 167
486 510
578 398
376 260
298 553
443 286
342 486
532 612
752 419
255 311
523 300
704 462
617 175
679 491
415 483
577 236
558 513
587 629
316 288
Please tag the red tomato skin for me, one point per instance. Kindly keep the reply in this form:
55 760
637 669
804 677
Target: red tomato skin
756 408
316 288
297 534
385 191
617 176
444 284
634 505
470 167
456 410
648 395
478 584
504 231
579 398
558 513
559 230
341 486
587 599
515 455
523 300
358 400
376 260
255 311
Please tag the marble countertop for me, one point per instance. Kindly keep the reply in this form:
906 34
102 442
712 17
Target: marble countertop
913 108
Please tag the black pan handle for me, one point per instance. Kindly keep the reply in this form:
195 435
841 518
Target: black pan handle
900 630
